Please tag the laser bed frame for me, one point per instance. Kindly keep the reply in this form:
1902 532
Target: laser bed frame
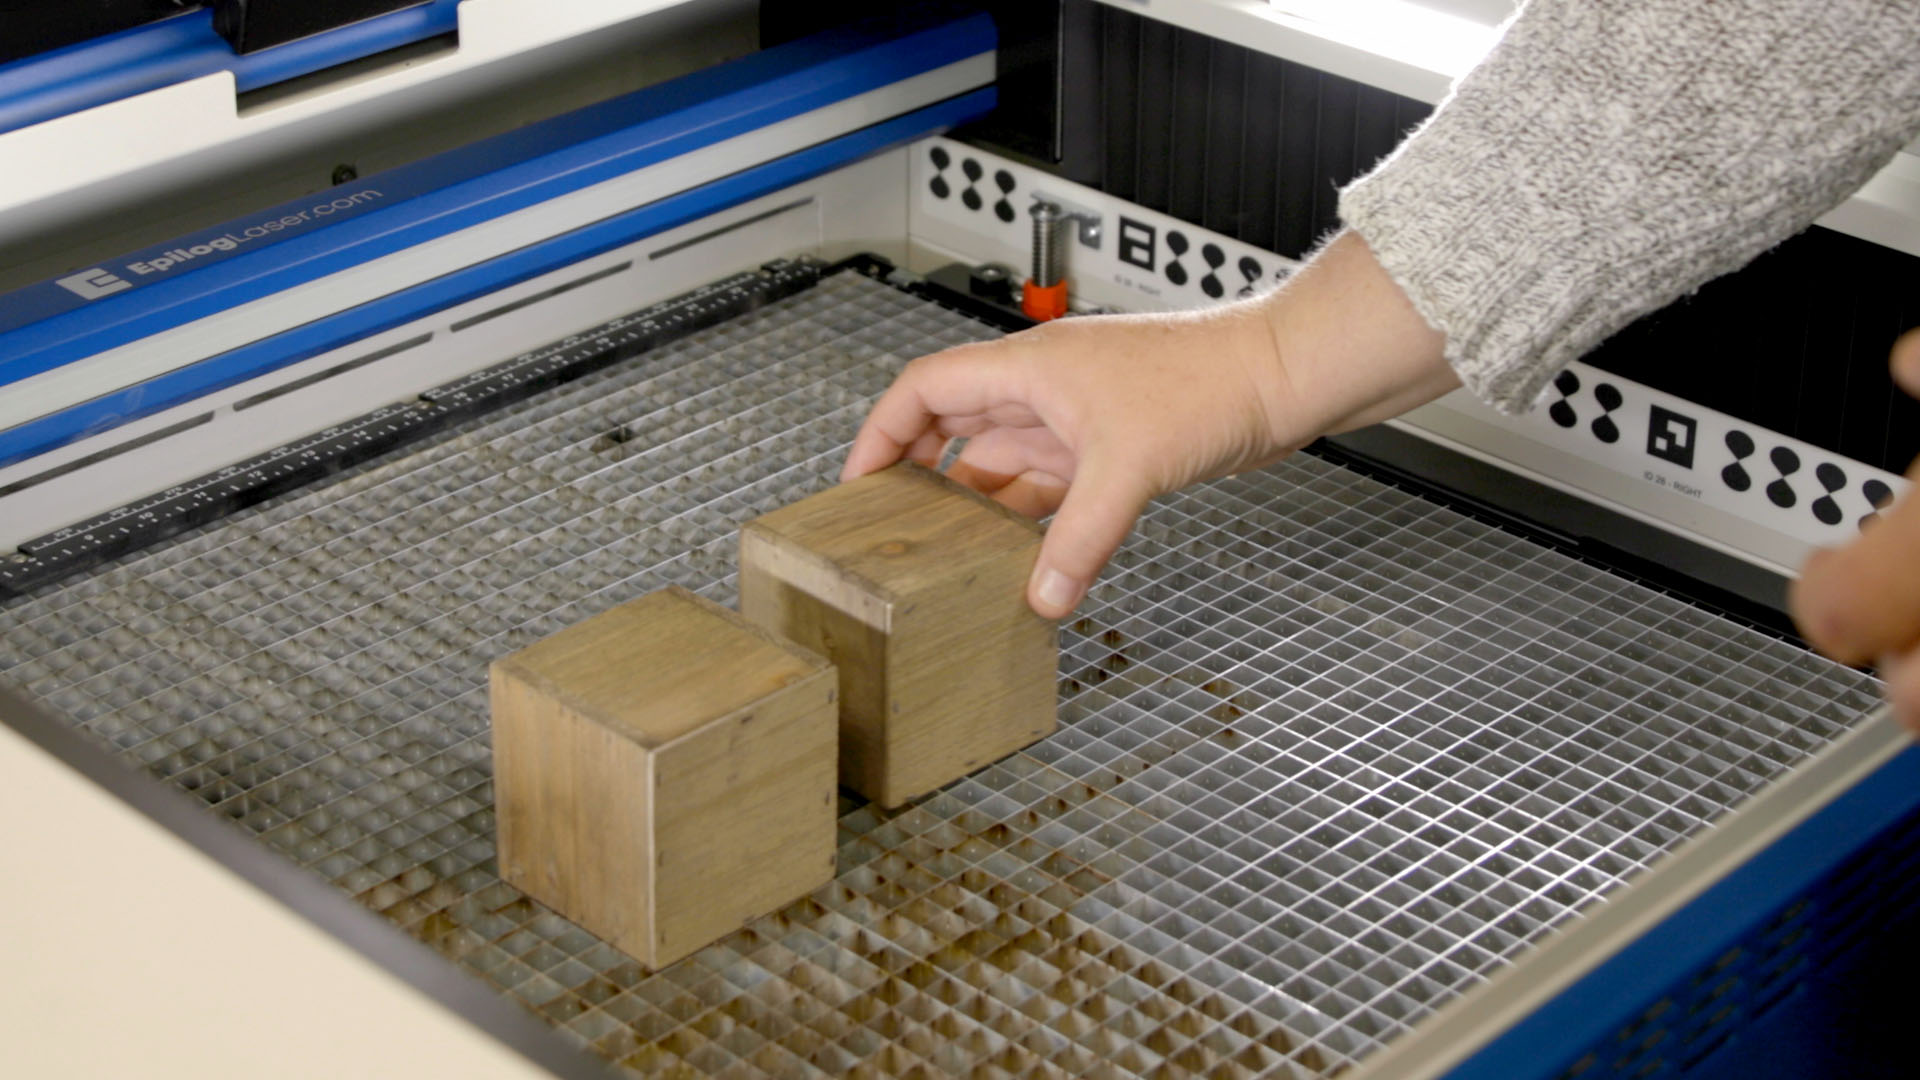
1361 769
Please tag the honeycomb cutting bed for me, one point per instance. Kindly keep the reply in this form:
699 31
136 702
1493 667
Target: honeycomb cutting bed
1330 755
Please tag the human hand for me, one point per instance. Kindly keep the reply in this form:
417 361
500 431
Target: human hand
1090 418
1087 417
1860 603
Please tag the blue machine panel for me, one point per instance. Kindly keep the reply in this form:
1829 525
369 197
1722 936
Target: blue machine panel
58 322
146 58
1729 962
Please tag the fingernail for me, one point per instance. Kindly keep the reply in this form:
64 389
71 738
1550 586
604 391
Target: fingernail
1057 590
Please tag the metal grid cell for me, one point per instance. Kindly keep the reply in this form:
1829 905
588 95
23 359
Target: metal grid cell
1330 754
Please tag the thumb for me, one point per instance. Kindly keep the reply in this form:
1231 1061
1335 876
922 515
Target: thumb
1906 362
1863 600
1101 505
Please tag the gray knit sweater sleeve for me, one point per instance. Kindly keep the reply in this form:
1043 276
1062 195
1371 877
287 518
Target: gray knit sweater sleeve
1609 156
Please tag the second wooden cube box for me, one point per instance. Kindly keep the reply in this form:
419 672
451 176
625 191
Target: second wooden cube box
663 772
915 588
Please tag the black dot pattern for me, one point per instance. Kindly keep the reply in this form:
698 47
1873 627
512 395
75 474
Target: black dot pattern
1786 462
1735 476
938 185
1832 478
1561 411
1210 283
970 198
1609 399
1003 206
1177 245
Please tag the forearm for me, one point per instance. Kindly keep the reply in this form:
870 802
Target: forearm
1347 347
1610 156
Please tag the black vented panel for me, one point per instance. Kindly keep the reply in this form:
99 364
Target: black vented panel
1796 342
1257 148
1228 138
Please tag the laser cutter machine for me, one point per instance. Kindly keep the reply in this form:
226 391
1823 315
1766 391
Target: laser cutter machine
338 360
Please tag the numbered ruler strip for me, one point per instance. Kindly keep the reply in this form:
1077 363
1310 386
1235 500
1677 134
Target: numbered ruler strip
106 536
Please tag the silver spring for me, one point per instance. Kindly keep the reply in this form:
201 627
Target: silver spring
1048 257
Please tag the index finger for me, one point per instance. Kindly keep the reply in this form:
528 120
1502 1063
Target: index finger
980 381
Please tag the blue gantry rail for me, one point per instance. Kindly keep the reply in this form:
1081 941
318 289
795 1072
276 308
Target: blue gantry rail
146 58
64 321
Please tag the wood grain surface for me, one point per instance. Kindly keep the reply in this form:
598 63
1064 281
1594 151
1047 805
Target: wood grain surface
663 772
915 588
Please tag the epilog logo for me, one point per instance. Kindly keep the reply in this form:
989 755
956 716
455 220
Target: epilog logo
98 282
93 284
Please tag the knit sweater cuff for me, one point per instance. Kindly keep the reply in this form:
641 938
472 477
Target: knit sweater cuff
1610 156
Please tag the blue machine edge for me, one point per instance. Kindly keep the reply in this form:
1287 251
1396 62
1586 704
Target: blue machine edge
186 46
1610 996
455 190
395 309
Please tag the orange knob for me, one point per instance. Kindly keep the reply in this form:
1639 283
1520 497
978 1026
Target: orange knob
1044 302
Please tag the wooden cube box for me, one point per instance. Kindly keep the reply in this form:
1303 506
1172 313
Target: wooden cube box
915 588
663 772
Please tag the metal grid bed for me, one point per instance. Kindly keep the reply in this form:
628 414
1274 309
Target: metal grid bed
1331 754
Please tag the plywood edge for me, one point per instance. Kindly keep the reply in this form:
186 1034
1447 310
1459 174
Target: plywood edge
505 786
649 850
814 574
